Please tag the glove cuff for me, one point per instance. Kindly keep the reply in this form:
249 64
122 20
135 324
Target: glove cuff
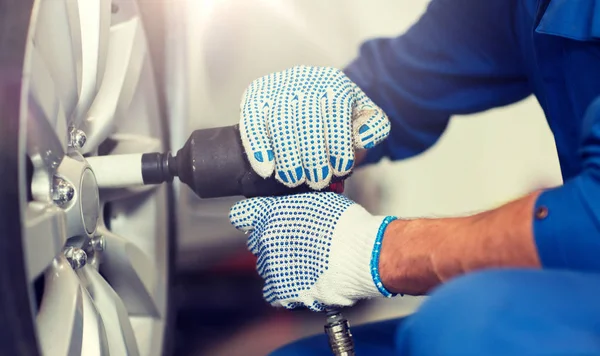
353 269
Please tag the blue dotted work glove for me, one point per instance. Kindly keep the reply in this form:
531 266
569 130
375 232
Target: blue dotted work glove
315 250
305 123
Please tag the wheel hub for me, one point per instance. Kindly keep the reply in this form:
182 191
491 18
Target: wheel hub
83 209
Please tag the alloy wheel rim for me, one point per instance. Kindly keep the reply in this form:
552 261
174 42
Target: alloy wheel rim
101 253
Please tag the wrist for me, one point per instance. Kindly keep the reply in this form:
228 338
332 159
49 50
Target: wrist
407 259
375 255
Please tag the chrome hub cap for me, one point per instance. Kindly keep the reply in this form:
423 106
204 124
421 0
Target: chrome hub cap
83 206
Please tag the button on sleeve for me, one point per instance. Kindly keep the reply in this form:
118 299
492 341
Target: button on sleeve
567 234
566 229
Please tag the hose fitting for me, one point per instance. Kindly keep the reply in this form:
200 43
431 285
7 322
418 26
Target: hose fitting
338 333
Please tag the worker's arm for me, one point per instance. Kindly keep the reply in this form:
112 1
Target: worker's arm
556 228
460 57
420 254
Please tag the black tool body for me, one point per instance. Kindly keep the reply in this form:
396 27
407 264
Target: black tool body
213 164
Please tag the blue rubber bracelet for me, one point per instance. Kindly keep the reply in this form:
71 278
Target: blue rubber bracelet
375 257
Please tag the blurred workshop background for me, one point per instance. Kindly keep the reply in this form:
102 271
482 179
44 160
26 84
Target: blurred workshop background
215 49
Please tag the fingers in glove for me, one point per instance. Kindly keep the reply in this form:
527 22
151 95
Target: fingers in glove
270 295
263 267
249 214
337 109
370 123
311 140
317 307
290 299
282 126
255 109
314 306
285 299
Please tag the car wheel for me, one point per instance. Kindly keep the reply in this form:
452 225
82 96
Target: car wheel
85 267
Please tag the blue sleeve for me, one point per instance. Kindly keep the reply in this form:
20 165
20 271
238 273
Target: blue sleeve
460 57
567 219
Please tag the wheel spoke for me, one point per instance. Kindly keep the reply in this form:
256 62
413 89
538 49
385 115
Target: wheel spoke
119 333
54 41
46 121
95 341
105 16
132 274
124 62
60 318
45 151
45 235
89 22
44 98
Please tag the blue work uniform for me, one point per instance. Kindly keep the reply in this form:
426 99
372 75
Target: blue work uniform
466 56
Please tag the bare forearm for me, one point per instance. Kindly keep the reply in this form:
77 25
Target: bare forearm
419 254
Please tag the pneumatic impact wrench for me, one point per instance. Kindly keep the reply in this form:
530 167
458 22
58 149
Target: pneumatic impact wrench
213 164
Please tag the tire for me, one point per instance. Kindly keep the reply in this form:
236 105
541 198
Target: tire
17 335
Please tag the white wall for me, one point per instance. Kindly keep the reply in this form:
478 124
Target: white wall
483 160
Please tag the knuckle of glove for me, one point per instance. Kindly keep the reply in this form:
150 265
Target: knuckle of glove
295 158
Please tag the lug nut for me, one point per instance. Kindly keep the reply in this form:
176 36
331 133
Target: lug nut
62 192
97 243
76 257
77 138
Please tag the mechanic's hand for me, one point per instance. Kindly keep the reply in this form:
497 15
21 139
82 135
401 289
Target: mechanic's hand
305 123
315 249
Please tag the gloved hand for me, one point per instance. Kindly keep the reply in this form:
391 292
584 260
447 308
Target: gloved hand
305 123
315 249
